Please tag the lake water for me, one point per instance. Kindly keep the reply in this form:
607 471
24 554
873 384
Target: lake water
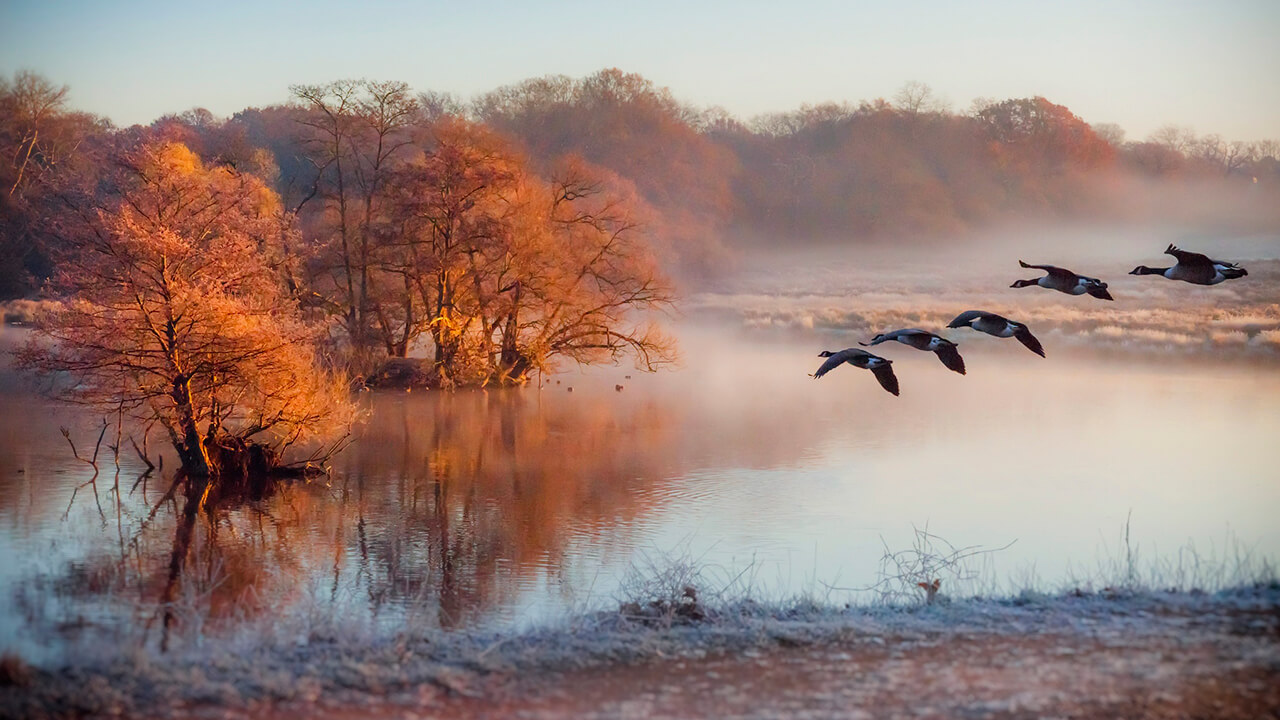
509 507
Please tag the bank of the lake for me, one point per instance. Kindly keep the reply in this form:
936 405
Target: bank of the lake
1109 653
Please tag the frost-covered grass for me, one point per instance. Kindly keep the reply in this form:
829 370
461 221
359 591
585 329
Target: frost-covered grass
401 667
670 605
932 570
1129 567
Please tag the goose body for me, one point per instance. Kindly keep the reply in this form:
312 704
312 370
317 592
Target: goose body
999 326
922 340
1194 268
881 368
1065 281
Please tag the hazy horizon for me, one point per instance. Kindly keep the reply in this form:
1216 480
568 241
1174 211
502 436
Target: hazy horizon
1140 65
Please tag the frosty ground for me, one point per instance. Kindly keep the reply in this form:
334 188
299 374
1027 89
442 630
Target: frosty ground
1103 654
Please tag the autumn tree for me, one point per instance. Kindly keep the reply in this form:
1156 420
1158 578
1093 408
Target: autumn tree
175 312
508 272
1037 133
450 204
624 123
597 283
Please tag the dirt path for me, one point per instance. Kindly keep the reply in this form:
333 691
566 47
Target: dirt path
952 677
1167 665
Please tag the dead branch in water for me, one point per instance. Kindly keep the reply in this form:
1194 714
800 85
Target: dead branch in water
97 446
92 462
142 453
318 460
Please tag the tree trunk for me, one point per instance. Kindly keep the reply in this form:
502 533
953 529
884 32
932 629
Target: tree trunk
513 366
192 452
402 346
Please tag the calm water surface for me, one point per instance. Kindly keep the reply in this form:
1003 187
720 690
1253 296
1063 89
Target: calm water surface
507 507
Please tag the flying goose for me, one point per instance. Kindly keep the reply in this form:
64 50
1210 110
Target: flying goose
993 324
1064 280
1194 268
878 366
921 340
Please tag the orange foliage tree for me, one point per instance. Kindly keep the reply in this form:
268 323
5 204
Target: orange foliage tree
176 311
1040 134
623 122
506 271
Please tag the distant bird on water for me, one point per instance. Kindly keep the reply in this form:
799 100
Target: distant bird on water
1194 268
922 340
881 368
1064 280
999 326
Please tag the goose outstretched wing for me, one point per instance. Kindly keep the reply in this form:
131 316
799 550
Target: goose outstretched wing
884 373
1053 270
897 335
966 317
1026 338
1191 259
950 357
836 359
882 337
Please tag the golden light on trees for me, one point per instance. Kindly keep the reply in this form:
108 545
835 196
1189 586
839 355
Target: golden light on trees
507 272
176 312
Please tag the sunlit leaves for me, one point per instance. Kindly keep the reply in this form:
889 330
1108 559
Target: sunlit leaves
507 271
176 310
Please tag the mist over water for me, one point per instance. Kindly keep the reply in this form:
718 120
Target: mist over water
514 506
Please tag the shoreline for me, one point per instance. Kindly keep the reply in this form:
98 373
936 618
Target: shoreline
472 673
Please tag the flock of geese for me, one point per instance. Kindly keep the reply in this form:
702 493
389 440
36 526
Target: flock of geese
1191 267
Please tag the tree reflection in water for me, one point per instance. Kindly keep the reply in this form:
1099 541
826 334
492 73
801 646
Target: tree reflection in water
458 509
461 499
445 508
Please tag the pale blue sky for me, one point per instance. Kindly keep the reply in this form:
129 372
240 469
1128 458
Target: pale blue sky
1212 65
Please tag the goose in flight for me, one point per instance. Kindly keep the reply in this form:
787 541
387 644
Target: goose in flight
993 324
881 368
1194 268
921 340
1064 280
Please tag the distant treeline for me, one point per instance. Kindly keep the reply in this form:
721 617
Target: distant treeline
701 179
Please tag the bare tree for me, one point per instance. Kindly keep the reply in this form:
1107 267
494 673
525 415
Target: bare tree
28 103
916 98
1110 132
434 106
43 146
1176 138
356 129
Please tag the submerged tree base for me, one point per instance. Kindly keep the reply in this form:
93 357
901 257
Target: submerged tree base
425 374
249 471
